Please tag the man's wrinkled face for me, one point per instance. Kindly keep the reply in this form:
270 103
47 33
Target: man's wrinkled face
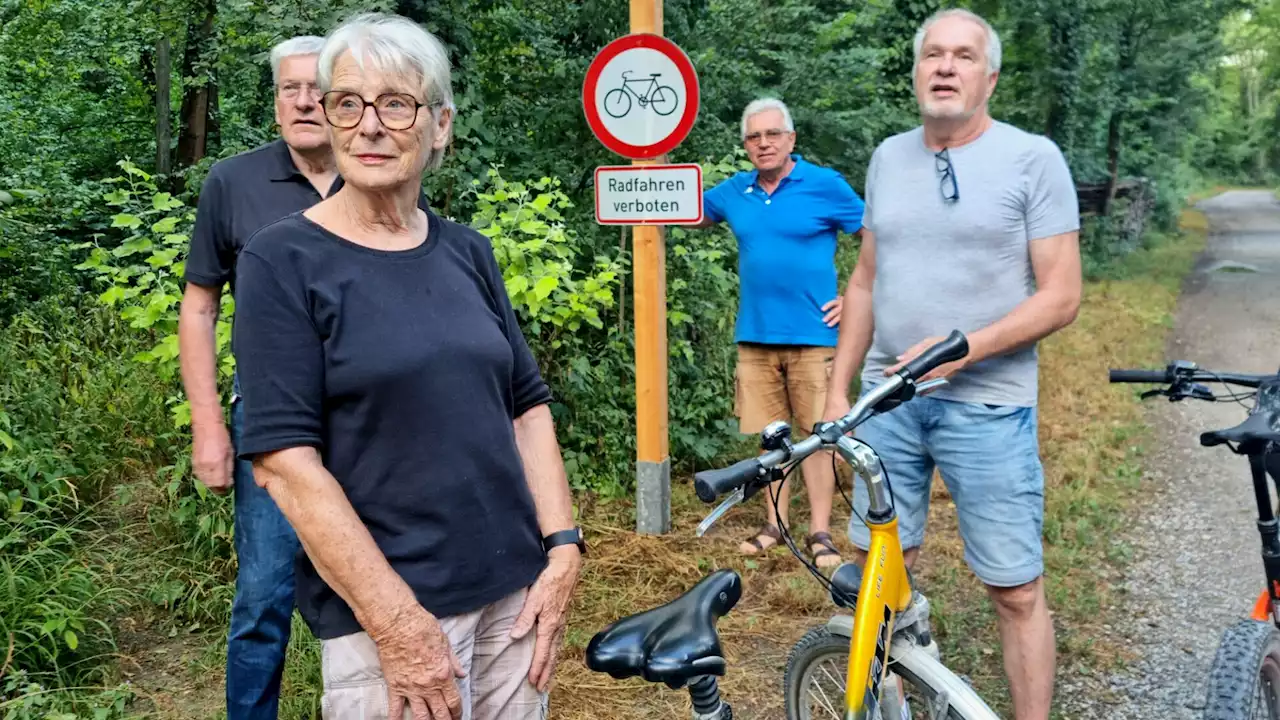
298 110
951 78
768 142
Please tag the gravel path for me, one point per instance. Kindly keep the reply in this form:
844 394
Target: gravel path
1197 568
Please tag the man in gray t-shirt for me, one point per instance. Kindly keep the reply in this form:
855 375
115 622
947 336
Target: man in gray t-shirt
970 224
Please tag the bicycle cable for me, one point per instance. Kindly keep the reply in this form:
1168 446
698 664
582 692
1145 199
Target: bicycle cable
785 531
893 503
1231 392
847 499
776 494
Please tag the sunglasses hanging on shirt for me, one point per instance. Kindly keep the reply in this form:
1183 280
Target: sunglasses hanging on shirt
950 189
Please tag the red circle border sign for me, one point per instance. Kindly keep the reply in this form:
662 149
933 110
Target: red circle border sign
692 99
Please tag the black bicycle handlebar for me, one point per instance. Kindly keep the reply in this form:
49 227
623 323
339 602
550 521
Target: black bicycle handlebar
953 348
1140 376
710 484
1173 374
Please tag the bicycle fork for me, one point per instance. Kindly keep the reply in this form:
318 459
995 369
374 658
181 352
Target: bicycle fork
1265 609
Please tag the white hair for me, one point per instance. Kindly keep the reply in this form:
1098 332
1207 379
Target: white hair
992 50
302 45
394 45
761 105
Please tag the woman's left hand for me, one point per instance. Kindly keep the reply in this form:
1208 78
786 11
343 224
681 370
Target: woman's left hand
547 607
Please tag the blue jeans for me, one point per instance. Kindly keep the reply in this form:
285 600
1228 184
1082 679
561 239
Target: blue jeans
263 609
989 458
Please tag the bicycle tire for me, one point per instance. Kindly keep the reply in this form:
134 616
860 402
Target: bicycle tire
661 91
926 676
622 94
1246 664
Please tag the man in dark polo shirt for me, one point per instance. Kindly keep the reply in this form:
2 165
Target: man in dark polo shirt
242 194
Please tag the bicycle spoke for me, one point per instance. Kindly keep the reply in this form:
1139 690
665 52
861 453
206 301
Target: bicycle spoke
835 679
818 695
826 702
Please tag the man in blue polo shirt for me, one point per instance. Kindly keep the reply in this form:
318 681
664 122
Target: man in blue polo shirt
786 214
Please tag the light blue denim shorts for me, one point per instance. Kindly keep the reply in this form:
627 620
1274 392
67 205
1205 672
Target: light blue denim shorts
989 458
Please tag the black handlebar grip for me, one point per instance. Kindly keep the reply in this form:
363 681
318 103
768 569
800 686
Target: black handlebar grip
1139 376
955 347
711 484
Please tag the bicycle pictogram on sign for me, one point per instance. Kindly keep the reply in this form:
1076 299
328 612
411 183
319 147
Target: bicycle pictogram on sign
661 98
629 77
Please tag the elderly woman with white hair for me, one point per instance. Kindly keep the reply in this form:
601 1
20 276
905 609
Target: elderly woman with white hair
398 418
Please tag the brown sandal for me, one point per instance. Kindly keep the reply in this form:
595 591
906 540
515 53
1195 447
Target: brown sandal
767 530
828 548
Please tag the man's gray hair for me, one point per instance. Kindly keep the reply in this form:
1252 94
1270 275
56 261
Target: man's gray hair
394 45
303 45
992 51
756 107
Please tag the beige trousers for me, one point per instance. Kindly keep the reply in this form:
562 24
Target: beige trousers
496 686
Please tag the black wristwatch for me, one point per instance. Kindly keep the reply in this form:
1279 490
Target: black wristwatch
565 537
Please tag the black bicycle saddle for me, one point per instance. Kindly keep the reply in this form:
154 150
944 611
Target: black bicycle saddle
673 642
1260 427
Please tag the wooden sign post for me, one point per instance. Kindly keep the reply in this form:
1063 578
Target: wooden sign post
640 97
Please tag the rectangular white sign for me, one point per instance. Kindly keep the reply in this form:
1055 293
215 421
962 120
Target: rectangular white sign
649 194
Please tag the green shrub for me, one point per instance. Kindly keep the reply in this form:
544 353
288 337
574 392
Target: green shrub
77 421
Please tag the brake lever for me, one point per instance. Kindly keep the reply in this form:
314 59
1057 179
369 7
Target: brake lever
734 498
743 492
929 386
1202 392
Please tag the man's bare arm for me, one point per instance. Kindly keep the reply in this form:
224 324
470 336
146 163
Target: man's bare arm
197 348
211 453
856 323
1055 260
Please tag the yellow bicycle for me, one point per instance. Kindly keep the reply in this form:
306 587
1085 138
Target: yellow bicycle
885 648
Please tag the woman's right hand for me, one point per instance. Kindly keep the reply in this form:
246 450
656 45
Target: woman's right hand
420 667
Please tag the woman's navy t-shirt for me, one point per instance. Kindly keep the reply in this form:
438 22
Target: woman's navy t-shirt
405 369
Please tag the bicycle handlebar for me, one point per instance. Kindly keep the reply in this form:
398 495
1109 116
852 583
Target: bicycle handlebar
1139 376
953 348
1185 373
710 484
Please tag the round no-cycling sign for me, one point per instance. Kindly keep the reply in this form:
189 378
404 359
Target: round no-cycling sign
641 96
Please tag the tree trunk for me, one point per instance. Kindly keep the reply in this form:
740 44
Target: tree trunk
1130 36
192 144
164 133
1066 45
1113 158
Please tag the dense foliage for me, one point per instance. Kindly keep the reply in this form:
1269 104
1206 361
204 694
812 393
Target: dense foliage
112 111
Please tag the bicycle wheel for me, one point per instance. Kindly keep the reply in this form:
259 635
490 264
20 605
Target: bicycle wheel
617 102
1244 681
663 100
814 683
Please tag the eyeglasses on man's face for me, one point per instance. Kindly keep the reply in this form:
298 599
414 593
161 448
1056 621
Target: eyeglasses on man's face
773 135
948 185
396 111
291 90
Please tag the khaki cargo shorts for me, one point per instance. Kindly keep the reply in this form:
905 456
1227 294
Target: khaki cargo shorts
496 686
782 382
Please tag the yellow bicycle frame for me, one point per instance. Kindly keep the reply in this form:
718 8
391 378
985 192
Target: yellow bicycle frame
884 592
